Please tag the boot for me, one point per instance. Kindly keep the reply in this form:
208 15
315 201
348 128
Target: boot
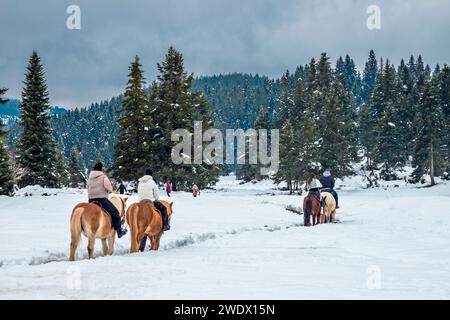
142 244
121 232
166 224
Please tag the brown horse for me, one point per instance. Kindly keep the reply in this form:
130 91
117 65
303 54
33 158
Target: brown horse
311 207
329 209
94 223
145 221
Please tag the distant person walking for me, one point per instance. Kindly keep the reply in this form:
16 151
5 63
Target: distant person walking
122 189
168 187
195 190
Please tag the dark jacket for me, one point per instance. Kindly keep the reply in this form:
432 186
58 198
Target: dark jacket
327 182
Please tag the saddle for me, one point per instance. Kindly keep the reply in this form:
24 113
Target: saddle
150 202
104 210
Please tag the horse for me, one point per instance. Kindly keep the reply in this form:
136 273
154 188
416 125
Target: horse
146 221
95 223
311 206
329 209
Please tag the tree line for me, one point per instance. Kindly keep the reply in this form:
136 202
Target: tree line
329 116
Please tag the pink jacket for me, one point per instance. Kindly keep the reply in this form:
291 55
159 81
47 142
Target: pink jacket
98 185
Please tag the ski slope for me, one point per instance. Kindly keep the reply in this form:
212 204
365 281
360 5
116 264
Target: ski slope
239 242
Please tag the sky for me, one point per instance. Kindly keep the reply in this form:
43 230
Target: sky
266 37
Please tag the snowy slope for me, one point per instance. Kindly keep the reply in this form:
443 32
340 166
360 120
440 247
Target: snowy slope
240 243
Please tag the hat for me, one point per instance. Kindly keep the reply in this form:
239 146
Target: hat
98 166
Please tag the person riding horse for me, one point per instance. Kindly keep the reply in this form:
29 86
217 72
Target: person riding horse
98 187
313 186
148 190
327 182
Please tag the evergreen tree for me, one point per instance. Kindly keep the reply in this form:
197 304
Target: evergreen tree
335 147
389 143
6 175
36 146
61 168
369 76
176 106
77 177
285 102
428 156
134 121
289 157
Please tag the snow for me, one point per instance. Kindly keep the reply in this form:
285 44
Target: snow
239 242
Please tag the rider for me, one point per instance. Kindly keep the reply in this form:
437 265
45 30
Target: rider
98 187
327 181
313 186
148 190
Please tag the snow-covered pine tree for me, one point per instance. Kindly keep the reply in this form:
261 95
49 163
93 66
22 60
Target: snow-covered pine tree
285 105
131 156
443 87
61 167
176 106
389 143
428 156
369 76
307 147
6 174
36 145
77 177
289 157
335 145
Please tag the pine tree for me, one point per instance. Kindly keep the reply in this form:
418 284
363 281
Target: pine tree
308 148
369 76
428 156
176 106
289 157
36 146
335 147
6 175
61 168
285 102
134 121
389 143
76 171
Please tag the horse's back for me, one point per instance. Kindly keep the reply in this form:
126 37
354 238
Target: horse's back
329 199
93 218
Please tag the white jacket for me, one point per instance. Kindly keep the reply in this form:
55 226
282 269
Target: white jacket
147 189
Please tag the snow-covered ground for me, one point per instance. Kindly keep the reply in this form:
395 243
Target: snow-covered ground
239 242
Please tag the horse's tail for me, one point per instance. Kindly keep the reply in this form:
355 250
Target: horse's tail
132 220
308 207
75 231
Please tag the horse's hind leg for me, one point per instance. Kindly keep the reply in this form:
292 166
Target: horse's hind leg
157 240
90 247
110 242
73 246
105 247
333 216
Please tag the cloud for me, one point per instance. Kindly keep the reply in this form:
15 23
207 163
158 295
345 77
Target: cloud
215 36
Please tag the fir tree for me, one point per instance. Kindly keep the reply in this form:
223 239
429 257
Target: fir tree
36 146
289 157
335 147
176 106
389 143
77 177
6 175
369 76
428 156
61 168
134 121
285 102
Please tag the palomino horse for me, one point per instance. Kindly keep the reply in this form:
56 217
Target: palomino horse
95 223
145 221
311 207
329 210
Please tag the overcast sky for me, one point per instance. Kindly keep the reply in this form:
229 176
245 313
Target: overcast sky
215 36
